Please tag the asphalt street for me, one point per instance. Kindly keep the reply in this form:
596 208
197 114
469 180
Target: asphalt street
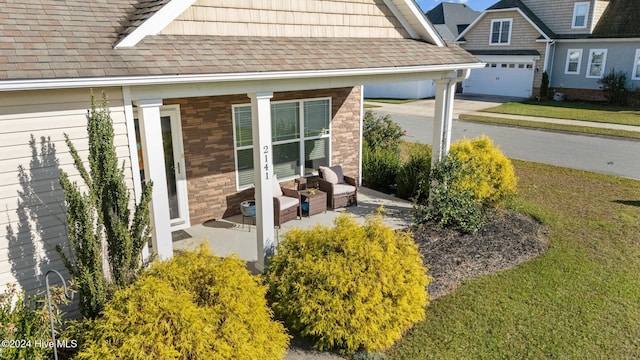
600 154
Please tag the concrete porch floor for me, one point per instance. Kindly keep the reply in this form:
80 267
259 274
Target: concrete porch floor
230 235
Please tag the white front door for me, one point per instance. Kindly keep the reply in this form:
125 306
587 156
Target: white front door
174 166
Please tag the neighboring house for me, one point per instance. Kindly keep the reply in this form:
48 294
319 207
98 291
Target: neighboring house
575 42
237 90
448 19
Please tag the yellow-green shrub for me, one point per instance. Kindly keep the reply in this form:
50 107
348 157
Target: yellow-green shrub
490 176
194 306
349 287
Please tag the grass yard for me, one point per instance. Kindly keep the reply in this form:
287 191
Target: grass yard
390 101
580 300
572 111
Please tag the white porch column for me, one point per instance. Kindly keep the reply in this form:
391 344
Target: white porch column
154 169
442 119
263 174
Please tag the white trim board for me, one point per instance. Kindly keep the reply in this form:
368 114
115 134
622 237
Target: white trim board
45 84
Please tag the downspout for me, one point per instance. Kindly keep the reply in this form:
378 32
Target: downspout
442 131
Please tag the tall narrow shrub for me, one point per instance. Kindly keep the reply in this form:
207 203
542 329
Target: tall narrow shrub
100 216
544 86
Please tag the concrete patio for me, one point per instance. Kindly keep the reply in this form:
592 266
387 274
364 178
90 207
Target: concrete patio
228 236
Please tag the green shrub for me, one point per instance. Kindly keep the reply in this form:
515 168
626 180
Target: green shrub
25 319
413 175
349 287
380 132
614 87
544 86
450 206
194 306
364 355
379 168
488 174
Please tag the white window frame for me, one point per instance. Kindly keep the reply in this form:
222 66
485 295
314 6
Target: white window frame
604 63
635 74
566 66
301 139
493 21
576 6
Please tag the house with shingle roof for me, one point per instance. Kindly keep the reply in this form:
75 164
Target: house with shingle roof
576 42
209 99
450 19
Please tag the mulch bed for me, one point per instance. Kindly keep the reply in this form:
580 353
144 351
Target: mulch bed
504 241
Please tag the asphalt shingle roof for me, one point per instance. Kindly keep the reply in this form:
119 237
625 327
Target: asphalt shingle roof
512 4
51 39
621 19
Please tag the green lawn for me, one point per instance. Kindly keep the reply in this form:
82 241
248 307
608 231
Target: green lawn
390 101
572 111
581 300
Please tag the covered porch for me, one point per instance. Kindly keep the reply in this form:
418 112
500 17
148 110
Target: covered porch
232 235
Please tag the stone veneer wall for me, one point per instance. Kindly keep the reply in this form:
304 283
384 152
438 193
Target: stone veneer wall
207 130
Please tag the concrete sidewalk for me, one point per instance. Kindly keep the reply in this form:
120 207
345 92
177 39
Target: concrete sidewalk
557 121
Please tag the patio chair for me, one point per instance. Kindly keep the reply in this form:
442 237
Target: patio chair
286 203
342 191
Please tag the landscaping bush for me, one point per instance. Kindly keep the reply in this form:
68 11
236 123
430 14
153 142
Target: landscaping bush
194 306
614 87
449 205
351 287
413 174
380 132
379 168
488 174
25 319
544 86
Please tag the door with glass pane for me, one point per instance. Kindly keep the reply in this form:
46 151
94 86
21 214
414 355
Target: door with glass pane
174 166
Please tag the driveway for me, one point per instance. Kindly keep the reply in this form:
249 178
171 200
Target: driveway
608 155
463 104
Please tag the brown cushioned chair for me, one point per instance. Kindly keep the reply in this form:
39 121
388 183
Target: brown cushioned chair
286 203
341 190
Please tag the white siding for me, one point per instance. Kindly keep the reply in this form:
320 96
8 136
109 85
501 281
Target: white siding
306 18
33 217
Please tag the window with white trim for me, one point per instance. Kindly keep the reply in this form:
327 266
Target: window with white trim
574 58
300 134
500 32
580 13
597 62
635 75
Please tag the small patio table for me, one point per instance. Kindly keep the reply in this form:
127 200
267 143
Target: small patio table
313 202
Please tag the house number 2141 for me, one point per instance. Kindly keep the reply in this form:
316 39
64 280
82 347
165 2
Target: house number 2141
265 151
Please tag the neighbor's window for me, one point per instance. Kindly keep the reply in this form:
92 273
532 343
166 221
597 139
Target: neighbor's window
500 32
574 57
300 134
597 61
636 66
580 13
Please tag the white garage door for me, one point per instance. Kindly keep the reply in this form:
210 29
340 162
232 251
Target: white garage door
501 78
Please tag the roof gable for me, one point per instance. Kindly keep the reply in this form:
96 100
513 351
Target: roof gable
301 18
509 5
456 17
